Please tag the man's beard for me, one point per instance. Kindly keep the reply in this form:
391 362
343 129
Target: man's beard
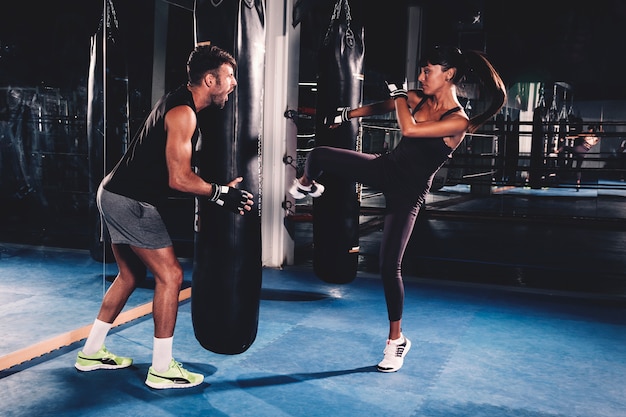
218 101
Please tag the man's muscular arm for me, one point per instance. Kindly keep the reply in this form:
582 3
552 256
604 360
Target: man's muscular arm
180 124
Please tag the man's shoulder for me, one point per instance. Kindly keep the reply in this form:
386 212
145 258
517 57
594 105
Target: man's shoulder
178 97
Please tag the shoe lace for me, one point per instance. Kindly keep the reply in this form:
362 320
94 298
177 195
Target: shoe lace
180 368
394 350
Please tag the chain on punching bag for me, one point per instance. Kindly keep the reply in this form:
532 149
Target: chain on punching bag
336 212
227 272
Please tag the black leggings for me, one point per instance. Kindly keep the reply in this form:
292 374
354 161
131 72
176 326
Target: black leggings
402 210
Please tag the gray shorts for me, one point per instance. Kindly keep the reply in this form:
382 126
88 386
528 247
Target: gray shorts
132 222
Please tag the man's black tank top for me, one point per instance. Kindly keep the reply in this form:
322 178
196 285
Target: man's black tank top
142 172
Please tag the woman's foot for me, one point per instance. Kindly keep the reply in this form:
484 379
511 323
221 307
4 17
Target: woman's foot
395 351
299 191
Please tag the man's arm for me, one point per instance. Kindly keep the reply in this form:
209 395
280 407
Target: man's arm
180 125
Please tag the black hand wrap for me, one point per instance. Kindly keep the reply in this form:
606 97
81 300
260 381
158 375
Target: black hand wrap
341 115
397 90
230 198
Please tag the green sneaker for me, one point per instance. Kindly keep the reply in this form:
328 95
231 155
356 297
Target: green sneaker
102 359
175 377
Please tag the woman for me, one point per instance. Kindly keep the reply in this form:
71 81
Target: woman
433 124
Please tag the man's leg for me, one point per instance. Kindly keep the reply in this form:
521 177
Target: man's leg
131 270
94 354
165 372
168 277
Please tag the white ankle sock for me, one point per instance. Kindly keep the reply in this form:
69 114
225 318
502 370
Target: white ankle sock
304 187
162 353
96 337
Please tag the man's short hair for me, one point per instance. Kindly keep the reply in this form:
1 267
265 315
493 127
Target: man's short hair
207 58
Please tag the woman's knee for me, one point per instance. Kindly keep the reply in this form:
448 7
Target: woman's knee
390 271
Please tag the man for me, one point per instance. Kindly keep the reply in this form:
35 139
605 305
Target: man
159 160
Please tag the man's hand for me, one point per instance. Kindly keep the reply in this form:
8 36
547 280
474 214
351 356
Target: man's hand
341 116
231 198
398 89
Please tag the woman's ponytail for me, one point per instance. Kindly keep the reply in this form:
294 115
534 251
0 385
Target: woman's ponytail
492 88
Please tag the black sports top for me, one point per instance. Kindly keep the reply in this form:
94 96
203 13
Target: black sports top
142 172
414 160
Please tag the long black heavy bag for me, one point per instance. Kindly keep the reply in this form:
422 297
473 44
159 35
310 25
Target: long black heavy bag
227 272
107 121
336 212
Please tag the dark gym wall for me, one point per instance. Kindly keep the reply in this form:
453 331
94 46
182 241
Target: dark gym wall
44 67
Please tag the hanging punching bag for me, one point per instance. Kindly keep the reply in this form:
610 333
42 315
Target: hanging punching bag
226 282
336 212
537 144
107 120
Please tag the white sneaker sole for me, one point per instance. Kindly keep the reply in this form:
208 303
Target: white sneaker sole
173 385
395 368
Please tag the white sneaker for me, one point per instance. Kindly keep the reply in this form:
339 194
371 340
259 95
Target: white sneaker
394 354
316 189
299 191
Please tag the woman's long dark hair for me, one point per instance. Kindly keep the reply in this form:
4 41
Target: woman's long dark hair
472 63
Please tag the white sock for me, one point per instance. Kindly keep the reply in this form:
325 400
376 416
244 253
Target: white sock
304 187
397 341
96 337
162 353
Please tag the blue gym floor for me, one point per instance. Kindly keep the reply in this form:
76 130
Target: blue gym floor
477 350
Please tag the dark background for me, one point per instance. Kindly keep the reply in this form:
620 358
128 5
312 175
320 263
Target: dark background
532 40
45 47
578 43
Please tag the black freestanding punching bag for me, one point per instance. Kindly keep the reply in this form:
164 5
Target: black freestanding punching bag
227 273
336 212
